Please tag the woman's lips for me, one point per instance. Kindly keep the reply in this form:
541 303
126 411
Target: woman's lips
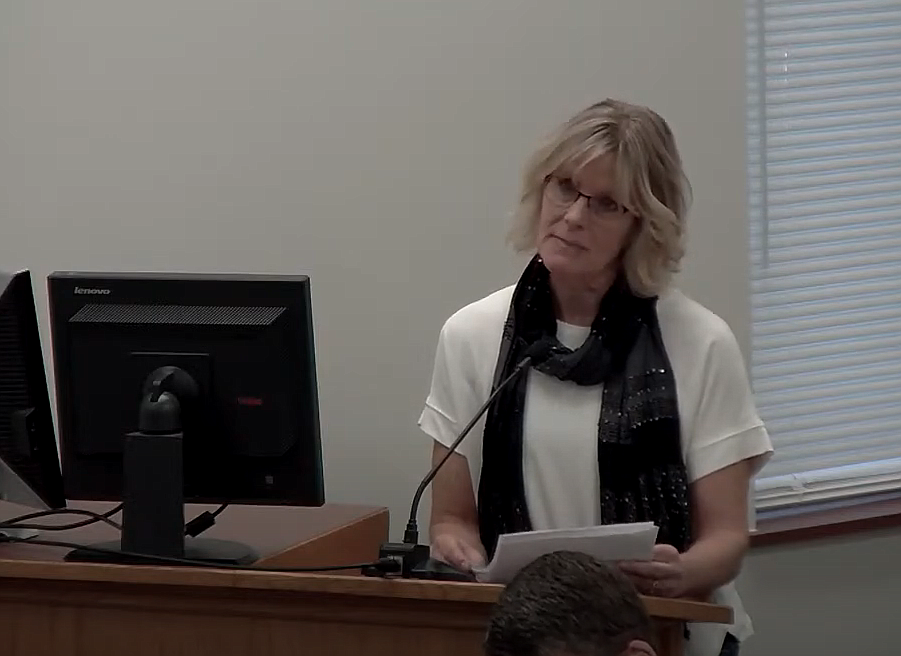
568 243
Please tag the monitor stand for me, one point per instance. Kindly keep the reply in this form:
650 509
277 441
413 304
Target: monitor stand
153 509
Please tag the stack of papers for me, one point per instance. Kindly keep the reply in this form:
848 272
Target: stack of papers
606 543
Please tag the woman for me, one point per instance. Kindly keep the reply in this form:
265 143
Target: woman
643 411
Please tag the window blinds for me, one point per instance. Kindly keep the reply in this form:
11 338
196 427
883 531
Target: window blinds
824 155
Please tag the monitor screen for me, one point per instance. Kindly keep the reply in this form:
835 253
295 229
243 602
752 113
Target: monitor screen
29 460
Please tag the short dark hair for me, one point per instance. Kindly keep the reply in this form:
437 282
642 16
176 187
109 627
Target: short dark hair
567 603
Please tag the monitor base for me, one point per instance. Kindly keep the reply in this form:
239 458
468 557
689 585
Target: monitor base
18 533
209 551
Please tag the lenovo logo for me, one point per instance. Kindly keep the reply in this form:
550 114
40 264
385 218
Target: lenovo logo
91 291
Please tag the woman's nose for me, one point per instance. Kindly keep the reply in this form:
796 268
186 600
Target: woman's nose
576 212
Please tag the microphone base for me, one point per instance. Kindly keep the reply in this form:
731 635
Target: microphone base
435 570
416 563
407 555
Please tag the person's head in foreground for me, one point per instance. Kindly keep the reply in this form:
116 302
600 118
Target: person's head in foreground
569 604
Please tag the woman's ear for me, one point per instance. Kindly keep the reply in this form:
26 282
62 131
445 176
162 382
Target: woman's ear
639 648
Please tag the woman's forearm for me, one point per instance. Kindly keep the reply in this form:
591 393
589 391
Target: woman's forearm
454 525
713 561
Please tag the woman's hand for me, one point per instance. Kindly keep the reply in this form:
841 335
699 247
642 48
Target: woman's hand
454 528
454 548
662 576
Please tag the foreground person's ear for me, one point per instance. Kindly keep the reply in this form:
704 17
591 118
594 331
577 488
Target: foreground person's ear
639 648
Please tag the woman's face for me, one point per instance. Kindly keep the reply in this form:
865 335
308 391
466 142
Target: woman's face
583 228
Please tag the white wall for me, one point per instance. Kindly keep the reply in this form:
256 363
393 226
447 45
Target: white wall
828 598
376 145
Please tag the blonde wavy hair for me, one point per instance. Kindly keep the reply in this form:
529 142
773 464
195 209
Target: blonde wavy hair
650 181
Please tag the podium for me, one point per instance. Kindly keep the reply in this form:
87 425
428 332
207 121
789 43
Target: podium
52 608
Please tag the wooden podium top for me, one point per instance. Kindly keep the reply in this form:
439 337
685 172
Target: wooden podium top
56 608
278 534
478 593
270 530
688 611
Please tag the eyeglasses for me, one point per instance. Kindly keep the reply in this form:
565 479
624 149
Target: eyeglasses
562 192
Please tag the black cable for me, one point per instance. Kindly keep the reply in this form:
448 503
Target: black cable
20 522
388 565
203 521
193 528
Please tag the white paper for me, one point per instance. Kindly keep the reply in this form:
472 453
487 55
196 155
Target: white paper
612 542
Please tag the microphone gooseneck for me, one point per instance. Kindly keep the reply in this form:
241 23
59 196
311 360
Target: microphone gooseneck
536 354
413 558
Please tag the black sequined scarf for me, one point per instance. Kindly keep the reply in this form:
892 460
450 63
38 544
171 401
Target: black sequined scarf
642 472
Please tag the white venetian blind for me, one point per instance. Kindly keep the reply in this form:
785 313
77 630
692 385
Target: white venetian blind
824 143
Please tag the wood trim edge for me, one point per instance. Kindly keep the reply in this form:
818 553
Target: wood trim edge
850 519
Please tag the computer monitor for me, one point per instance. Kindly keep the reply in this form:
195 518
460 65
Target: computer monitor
29 462
174 388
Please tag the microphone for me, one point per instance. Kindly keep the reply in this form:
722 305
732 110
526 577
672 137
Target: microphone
414 557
